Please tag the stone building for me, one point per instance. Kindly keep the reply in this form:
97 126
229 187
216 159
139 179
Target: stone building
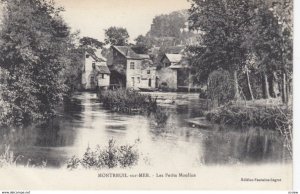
95 73
131 70
173 73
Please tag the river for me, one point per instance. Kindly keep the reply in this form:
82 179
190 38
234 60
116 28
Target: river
85 123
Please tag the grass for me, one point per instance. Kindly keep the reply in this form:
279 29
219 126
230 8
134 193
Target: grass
130 101
268 117
8 159
112 156
127 101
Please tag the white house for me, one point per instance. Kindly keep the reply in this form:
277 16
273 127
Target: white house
95 72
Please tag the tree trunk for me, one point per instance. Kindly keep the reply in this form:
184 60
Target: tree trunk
287 90
283 89
274 85
249 84
236 86
266 86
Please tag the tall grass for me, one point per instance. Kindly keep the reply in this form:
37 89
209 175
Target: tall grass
269 117
9 159
130 101
111 156
127 101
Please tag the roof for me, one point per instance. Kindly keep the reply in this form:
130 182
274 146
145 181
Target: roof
103 69
174 58
95 57
175 49
127 52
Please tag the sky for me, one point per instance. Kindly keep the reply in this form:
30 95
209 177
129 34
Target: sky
91 17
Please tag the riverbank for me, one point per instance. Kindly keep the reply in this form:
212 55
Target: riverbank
256 114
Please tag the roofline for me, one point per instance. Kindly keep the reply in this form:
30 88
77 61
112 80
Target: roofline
127 57
93 55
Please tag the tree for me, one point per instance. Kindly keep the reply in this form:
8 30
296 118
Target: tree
222 24
116 36
168 25
88 42
283 12
34 41
142 44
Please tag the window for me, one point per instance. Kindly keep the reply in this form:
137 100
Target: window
131 65
94 65
138 79
148 71
87 56
102 75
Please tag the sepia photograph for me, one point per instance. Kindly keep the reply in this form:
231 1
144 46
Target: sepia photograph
146 94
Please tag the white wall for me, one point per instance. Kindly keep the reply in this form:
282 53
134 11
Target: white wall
88 62
141 77
103 81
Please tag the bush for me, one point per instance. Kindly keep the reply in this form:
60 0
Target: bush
160 117
273 117
110 157
8 159
267 118
220 87
127 101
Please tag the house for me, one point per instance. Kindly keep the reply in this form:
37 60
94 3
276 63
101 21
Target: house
174 72
95 72
131 70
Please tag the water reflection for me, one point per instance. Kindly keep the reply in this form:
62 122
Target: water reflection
85 123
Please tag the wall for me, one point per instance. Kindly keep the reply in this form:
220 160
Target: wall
141 76
103 81
117 65
146 77
135 73
88 71
168 76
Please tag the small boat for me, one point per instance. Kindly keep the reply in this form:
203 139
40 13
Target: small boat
199 122
148 89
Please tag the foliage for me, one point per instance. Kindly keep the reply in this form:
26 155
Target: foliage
142 45
127 101
88 42
8 159
117 36
34 47
170 29
269 117
160 117
266 117
109 157
231 30
220 87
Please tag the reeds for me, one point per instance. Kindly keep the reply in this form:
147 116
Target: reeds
9 159
127 101
269 117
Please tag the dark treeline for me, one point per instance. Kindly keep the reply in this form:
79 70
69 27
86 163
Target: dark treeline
252 40
39 61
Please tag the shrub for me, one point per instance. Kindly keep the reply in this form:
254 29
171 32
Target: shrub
127 101
9 159
160 117
272 117
110 157
220 87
